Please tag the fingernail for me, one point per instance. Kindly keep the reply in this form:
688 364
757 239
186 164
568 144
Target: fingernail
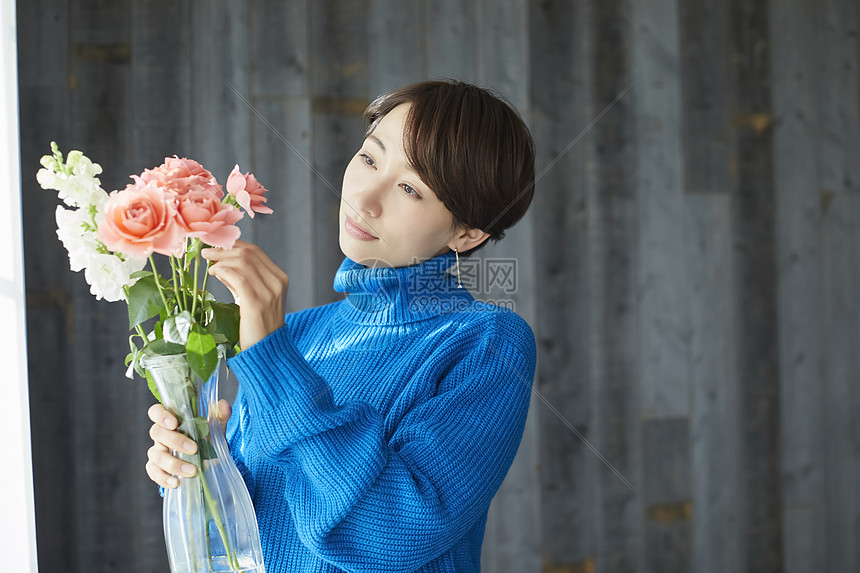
172 482
189 447
168 422
188 469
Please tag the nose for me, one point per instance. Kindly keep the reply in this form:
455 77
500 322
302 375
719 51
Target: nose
368 199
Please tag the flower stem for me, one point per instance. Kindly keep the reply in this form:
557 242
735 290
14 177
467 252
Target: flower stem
177 285
158 284
206 276
194 295
208 498
190 531
216 517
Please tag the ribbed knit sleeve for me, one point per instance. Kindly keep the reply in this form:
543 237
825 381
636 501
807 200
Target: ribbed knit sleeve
364 503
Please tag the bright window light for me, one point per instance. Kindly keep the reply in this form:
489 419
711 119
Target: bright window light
18 525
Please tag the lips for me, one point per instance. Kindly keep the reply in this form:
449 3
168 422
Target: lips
349 223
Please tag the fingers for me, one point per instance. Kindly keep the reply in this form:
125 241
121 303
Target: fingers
258 285
172 440
240 248
249 266
224 412
162 416
250 283
162 467
160 476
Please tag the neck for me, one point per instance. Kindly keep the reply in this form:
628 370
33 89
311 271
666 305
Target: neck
393 295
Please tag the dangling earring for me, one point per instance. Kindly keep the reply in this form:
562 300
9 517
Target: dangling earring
456 254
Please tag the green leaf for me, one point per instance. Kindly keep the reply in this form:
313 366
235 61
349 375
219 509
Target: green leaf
225 321
144 301
206 450
140 274
152 387
201 426
202 352
177 327
161 347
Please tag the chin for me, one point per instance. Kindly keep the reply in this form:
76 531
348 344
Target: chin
354 254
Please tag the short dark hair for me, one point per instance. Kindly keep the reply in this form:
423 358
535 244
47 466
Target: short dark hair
470 147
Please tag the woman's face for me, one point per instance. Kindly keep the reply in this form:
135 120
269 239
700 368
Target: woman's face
400 221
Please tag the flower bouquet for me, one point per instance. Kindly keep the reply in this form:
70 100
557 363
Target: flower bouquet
180 334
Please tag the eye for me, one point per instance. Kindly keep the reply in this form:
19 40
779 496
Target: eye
410 191
366 159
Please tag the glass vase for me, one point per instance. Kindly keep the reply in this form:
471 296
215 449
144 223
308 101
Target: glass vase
209 522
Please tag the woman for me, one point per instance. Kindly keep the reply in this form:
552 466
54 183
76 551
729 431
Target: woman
374 431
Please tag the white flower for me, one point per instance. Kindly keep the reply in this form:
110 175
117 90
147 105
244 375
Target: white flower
81 165
75 181
74 228
105 272
107 275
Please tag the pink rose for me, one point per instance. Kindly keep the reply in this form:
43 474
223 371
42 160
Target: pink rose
247 191
139 220
180 175
203 216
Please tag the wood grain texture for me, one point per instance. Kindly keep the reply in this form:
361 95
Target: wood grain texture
663 323
221 114
754 228
503 63
613 251
281 143
339 90
280 41
841 267
394 45
834 31
707 86
450 45
43 81
837 110
561 110
798 239
100 111
161 70
714 425
666 495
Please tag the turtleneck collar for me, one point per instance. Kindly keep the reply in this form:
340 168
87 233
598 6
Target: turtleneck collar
396 295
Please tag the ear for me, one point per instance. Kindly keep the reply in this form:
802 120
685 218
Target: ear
466 239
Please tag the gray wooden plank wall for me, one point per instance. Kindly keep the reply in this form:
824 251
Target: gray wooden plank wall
690 264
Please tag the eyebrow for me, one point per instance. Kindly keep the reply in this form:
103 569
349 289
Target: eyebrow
377 141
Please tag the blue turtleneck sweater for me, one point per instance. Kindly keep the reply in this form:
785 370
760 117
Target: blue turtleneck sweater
374 431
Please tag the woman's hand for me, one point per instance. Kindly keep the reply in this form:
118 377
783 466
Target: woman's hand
162 467
258 286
